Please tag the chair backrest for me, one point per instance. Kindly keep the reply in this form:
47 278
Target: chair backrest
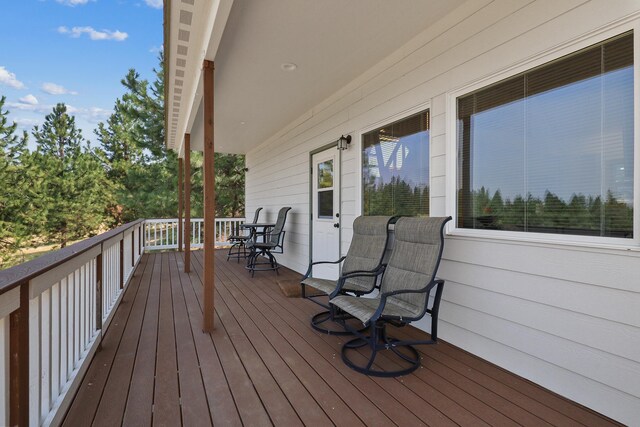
256 216
277 230
414 260
370 238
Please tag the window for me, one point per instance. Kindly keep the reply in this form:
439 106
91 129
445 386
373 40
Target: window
551 150
325 190
395 168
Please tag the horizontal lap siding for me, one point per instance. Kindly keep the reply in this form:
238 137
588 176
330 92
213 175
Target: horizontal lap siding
564 317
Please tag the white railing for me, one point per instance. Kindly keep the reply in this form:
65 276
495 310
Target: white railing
163 233
55 309
53 312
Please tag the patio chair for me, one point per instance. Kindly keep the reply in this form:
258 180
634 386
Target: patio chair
405 291
273 243
238 241
365 254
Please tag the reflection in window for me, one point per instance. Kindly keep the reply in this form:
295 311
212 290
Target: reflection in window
325 174
551 150
395 168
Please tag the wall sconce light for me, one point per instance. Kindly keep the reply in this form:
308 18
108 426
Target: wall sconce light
343 142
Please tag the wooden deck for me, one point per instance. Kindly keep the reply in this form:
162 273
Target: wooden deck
265 365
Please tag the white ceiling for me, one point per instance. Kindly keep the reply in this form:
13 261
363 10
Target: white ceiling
331 41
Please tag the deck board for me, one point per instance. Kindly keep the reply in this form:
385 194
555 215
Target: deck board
166 397
265 365
193 405
139 405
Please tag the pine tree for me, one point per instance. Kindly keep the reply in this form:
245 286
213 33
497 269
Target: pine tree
13 197
141 169
75 186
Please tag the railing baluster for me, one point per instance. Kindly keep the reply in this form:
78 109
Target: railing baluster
45 351
55 341
34 360
64 326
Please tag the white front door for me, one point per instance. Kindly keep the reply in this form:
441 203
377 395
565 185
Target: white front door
325 208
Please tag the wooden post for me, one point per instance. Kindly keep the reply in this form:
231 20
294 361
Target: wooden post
133 250
209 200
180 201
19 361
187 203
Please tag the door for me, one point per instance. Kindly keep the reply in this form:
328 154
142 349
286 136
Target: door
325 201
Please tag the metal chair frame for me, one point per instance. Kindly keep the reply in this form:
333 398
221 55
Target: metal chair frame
266 249
335 314
378 340
238 249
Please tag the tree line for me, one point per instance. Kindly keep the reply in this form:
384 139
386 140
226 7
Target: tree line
581 214
66 189
481 209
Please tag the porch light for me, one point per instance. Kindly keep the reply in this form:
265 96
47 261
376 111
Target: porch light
343 142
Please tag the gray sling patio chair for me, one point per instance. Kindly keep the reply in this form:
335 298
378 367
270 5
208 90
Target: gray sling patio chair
365 254
407 283
265 245
238 241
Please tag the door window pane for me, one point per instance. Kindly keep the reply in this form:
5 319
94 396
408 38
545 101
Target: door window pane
551 150
325 204
395 169
325 174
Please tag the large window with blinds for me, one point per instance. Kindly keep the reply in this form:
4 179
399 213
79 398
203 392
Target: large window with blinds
551 150
395 168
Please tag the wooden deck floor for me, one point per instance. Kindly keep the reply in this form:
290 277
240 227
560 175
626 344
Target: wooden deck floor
264 365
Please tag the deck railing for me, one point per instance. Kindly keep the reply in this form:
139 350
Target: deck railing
55 309
53 312
163 233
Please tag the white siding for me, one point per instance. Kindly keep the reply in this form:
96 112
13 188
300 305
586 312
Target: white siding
565 317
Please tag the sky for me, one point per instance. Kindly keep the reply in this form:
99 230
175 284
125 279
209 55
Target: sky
76 52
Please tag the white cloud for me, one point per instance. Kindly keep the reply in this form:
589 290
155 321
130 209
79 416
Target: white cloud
9 79
97 114
72 2
156 49
91 114
29 99
93 34
156 4
54 89
26 124
25 106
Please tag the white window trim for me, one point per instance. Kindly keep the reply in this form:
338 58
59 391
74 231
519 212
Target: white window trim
630 23
380 123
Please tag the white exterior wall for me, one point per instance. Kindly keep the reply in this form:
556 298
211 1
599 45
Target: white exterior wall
566 317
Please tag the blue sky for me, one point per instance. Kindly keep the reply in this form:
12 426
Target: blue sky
76 52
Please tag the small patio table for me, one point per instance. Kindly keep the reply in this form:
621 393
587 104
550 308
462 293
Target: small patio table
255 227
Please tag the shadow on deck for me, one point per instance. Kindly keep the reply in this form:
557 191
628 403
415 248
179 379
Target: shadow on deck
265 365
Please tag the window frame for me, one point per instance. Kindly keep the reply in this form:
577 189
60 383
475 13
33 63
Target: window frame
406 113
521 66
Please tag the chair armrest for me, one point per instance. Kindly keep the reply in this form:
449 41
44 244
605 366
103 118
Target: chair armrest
413 291
385 295
342 279
308 273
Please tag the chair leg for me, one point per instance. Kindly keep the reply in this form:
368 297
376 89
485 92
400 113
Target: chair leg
237 250
378 341
256 263
323 321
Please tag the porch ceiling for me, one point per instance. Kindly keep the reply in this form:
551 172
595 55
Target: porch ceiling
331 42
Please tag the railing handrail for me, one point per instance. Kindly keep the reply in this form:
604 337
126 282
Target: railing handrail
14 276
159 220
